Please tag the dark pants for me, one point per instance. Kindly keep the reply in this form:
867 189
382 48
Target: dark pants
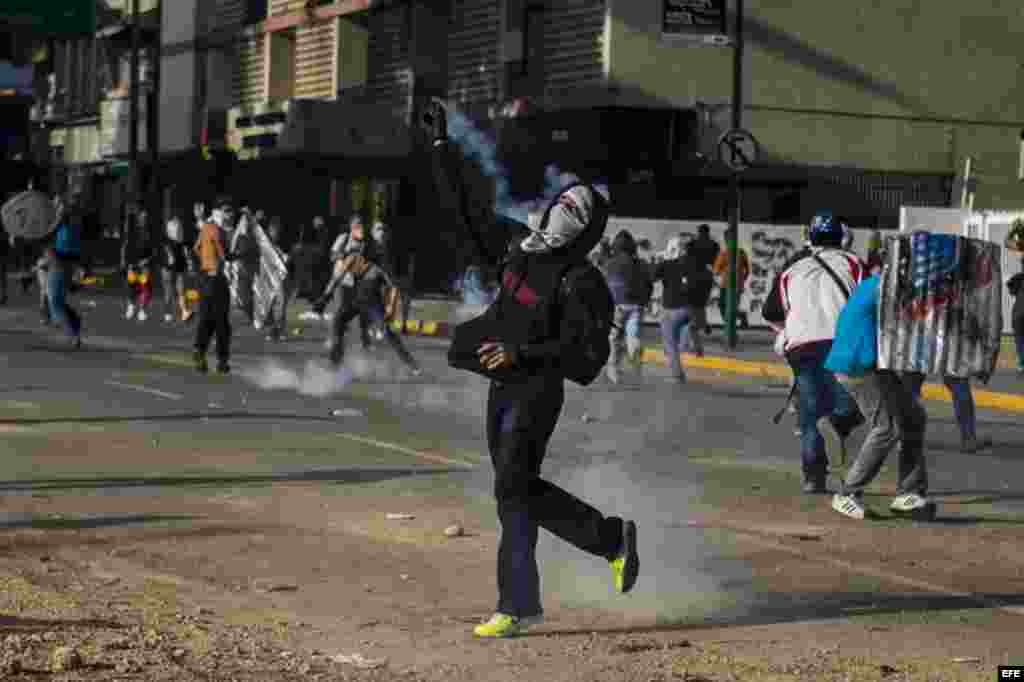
215 316
1018 334
520 421
373 313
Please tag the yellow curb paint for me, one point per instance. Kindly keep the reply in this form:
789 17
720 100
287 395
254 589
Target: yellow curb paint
1000 401
413 326
430 328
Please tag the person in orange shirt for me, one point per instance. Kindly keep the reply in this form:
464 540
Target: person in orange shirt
215 303
721 268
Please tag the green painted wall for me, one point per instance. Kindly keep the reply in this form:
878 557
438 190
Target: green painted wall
888 64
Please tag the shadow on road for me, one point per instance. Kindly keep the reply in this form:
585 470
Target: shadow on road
213 414
340 476
14 625
106 521
800 607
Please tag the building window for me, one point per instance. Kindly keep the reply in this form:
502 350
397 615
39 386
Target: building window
281 77
353 53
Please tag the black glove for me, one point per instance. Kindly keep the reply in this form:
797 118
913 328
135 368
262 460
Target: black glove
319 306
435 122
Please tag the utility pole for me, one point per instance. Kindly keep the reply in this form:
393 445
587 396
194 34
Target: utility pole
153 125
133 107
735 189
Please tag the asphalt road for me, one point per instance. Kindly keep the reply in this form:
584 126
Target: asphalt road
139 375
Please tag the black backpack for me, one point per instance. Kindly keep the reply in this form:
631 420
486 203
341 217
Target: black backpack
584 367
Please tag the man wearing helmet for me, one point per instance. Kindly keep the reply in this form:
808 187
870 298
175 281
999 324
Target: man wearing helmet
805 302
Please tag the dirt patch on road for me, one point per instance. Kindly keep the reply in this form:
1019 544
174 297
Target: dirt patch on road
291 581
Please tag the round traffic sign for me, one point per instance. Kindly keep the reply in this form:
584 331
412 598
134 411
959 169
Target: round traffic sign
738 150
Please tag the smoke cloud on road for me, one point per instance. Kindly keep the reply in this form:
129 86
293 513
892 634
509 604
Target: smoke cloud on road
317 378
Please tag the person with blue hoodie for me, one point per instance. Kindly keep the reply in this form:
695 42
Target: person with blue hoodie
65 251
887 401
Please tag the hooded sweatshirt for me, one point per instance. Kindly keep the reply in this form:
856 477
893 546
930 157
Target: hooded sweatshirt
855 348
534 312
627 276
685 282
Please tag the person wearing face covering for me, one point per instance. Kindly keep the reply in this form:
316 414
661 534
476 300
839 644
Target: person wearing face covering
215 302
550 322
367 293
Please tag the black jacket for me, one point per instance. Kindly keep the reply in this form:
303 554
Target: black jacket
684 283
1016 289
705 250
531 290
629 279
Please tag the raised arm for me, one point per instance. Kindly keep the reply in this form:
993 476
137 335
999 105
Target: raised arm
446 166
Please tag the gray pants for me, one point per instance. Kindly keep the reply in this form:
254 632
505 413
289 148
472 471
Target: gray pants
893 415
277 315
44 306
173 290
246 280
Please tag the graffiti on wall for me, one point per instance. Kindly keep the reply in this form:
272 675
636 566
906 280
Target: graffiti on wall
768 254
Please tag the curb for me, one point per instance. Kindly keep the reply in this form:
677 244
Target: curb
1008 402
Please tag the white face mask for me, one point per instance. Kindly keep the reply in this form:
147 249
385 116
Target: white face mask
568 218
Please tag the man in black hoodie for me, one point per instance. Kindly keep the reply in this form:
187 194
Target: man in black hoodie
529 341
687 287
630 282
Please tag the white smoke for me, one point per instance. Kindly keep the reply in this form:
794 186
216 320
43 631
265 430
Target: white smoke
676 583
317 378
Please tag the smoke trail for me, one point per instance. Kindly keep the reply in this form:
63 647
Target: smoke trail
478 145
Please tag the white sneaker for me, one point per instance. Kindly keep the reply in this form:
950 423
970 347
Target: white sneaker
849 505
257 325
129 313
168 318
142 315
914 505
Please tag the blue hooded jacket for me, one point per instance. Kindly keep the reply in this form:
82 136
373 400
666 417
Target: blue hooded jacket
855 346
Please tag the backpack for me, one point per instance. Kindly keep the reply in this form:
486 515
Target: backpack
584 367
67 243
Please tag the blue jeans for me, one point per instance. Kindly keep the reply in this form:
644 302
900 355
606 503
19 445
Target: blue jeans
57 299
674 336
624 337
963 401
820 395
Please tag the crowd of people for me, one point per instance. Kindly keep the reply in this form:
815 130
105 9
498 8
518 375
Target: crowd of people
238 259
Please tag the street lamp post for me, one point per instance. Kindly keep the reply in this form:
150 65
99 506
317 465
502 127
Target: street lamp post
133 107
735 189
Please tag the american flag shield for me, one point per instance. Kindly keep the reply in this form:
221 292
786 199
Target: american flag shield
940 305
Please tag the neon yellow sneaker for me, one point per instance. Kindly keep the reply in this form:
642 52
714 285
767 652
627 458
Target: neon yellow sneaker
501 625
626 566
